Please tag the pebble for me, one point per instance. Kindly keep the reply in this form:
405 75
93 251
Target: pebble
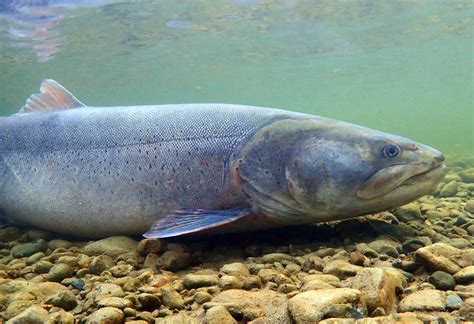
200 280
453 302
469 207
147 301
409 213
59 244
147 246
423 300
444 257
466 311
230 282
341 269
465 275
106 289
273 305
202 297
171 298
112 246
442 280
277 257
312 306
219 315
450 189
235 269
10 233
414 244
106 315
175 260
59 272
100 263
32 259
60 317
34 234
116 302
64 299
30 248
387 247
31 315
379 287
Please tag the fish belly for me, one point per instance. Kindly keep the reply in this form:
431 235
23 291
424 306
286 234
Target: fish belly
94 172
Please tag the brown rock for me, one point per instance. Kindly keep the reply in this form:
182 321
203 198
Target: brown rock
147 246
379 287
219 315
341 269
311 306
273 304
106 315
444 257
31 315
423 300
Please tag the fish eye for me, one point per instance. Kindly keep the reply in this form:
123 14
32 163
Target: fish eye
391 150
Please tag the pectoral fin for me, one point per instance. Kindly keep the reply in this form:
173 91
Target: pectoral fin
186 221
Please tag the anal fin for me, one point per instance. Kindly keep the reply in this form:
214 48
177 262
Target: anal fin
187 221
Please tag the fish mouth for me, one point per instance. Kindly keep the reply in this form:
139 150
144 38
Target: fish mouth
435 174
419 177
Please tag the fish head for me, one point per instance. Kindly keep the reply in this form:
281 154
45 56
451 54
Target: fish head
322 169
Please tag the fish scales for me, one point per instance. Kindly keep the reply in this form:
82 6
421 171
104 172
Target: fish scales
127 165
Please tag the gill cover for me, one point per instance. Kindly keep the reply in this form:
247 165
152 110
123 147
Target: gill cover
259 169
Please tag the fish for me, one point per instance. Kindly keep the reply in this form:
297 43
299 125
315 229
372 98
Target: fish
166 171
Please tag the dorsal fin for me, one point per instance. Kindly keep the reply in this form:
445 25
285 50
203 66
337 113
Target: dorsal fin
53 96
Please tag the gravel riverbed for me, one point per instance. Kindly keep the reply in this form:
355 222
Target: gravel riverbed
414 264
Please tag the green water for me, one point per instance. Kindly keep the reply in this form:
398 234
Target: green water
401 67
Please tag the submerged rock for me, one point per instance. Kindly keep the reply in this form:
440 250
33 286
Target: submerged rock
112 246
31 315
109 315
465 275
30 248
268 303
379 287
311 306
442 280
444 257
219 315
423 300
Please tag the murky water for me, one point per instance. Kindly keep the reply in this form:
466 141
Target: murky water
401 67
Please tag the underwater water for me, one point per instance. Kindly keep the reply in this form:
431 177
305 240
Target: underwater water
404 67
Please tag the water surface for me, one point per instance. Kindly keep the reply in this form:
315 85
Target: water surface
404 67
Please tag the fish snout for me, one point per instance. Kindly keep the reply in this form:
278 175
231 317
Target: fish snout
439 158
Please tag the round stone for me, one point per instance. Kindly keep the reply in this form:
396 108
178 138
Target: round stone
442 280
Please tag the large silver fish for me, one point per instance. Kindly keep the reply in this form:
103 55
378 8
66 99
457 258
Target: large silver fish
177 169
